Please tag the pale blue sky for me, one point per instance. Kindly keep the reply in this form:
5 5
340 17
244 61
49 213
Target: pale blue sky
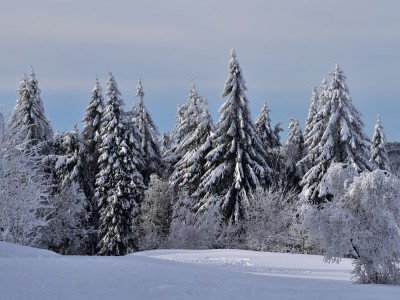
284 47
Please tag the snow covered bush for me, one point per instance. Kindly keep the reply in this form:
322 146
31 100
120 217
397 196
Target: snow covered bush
66 233
184 234
23 193
336 180
155 214
269 218
363 223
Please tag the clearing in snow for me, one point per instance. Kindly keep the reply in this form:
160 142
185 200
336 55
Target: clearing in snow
28 273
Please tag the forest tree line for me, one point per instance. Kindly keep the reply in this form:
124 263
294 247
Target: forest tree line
118 186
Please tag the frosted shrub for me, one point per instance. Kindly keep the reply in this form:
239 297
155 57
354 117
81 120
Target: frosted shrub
363 223
269 219
155 214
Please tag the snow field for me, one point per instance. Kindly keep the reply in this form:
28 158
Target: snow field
28 273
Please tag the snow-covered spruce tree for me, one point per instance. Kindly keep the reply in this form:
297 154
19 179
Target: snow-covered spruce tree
312 112
150 144
28 118
133 138
379 156
293 151
155 218
172 155
237 164
362 222
338 137
68 228
194 144
269 138
91 135
315 132
91 142
116 189
69 158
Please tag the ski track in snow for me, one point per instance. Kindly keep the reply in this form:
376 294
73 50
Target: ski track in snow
30 274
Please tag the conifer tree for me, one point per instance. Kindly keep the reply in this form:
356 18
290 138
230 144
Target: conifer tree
310 122
194 144
264 129
338 137
92 126
379 156
28 118
133 138
150 145
67 232
269 138
68 158
173 154
293 152
91 143
116 188
237 164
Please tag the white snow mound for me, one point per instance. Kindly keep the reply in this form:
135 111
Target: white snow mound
13 250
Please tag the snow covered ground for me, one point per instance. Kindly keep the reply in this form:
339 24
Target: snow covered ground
27 273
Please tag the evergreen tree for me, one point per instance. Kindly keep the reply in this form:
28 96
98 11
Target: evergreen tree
133 138
28 118
194 143
237 164
116 188
174 154
293 152
91 141
338 137
91 130
69 164
270 139
263 128
310 122
379 156
148 132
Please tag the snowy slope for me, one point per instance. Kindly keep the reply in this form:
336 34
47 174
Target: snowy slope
27 273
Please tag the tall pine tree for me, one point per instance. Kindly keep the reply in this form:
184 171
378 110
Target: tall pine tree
379 156
338 138
116 190
293 151
91 141
150 144
28 118
312 112
194 143
269 138
237 164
